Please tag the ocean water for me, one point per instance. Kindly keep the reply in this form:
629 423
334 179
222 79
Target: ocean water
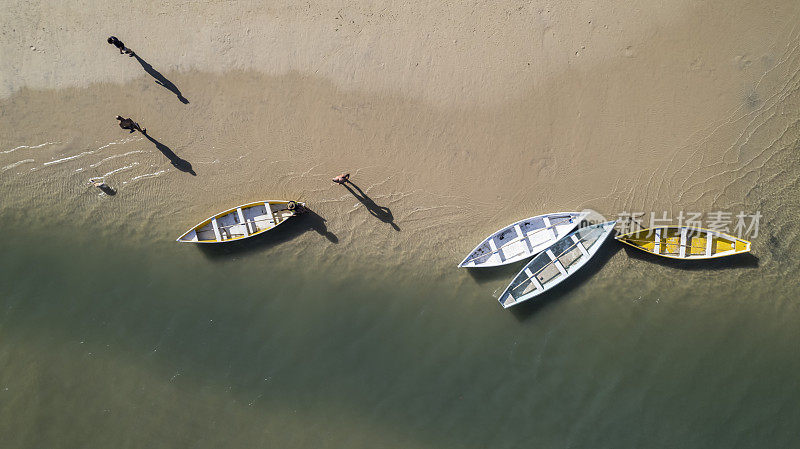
156 344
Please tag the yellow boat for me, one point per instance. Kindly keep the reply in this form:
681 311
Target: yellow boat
686 243
242 222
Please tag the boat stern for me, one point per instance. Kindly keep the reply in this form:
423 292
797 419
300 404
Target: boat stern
467 262
506 299
742 246
296 207
189 237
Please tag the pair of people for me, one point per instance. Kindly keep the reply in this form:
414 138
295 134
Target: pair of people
120 46
124 123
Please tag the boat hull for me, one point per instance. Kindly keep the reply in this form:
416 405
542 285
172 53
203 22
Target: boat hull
685 242
556 264
241 222
522 239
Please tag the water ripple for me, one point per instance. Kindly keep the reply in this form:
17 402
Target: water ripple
28 147
15 164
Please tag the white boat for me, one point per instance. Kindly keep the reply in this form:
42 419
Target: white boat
556 264
242 222
522 239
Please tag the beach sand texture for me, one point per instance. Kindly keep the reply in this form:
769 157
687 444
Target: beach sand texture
454 120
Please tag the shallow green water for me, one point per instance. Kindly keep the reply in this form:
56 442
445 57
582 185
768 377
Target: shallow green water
111 344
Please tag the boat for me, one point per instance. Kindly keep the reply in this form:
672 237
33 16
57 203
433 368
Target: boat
556 264
241 222
685 242
522 239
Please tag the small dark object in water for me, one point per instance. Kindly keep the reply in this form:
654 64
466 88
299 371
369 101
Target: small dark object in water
100 184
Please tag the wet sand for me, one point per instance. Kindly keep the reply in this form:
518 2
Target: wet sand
457 120
450 128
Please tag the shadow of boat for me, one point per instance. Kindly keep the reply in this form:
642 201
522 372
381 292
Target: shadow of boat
285 232
609 249
745 260
528 308
489 274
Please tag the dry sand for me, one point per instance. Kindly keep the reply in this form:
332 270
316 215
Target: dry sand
457 118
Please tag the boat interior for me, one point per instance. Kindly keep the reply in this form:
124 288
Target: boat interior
244 221
520 239
686 243
558 261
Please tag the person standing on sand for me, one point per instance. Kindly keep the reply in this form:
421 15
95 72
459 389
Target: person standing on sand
120 46
126 123
342 179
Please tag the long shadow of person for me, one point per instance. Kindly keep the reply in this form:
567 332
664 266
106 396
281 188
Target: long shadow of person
161 79
603 255
382 213
181 164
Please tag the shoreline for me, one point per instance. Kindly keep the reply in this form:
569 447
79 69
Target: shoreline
605 131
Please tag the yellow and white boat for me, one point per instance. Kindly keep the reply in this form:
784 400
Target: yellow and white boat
684 242
242 222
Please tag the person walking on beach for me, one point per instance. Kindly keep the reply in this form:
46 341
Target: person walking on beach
126 123
120 46
342 179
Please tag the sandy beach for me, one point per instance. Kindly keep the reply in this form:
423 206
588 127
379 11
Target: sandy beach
457 119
